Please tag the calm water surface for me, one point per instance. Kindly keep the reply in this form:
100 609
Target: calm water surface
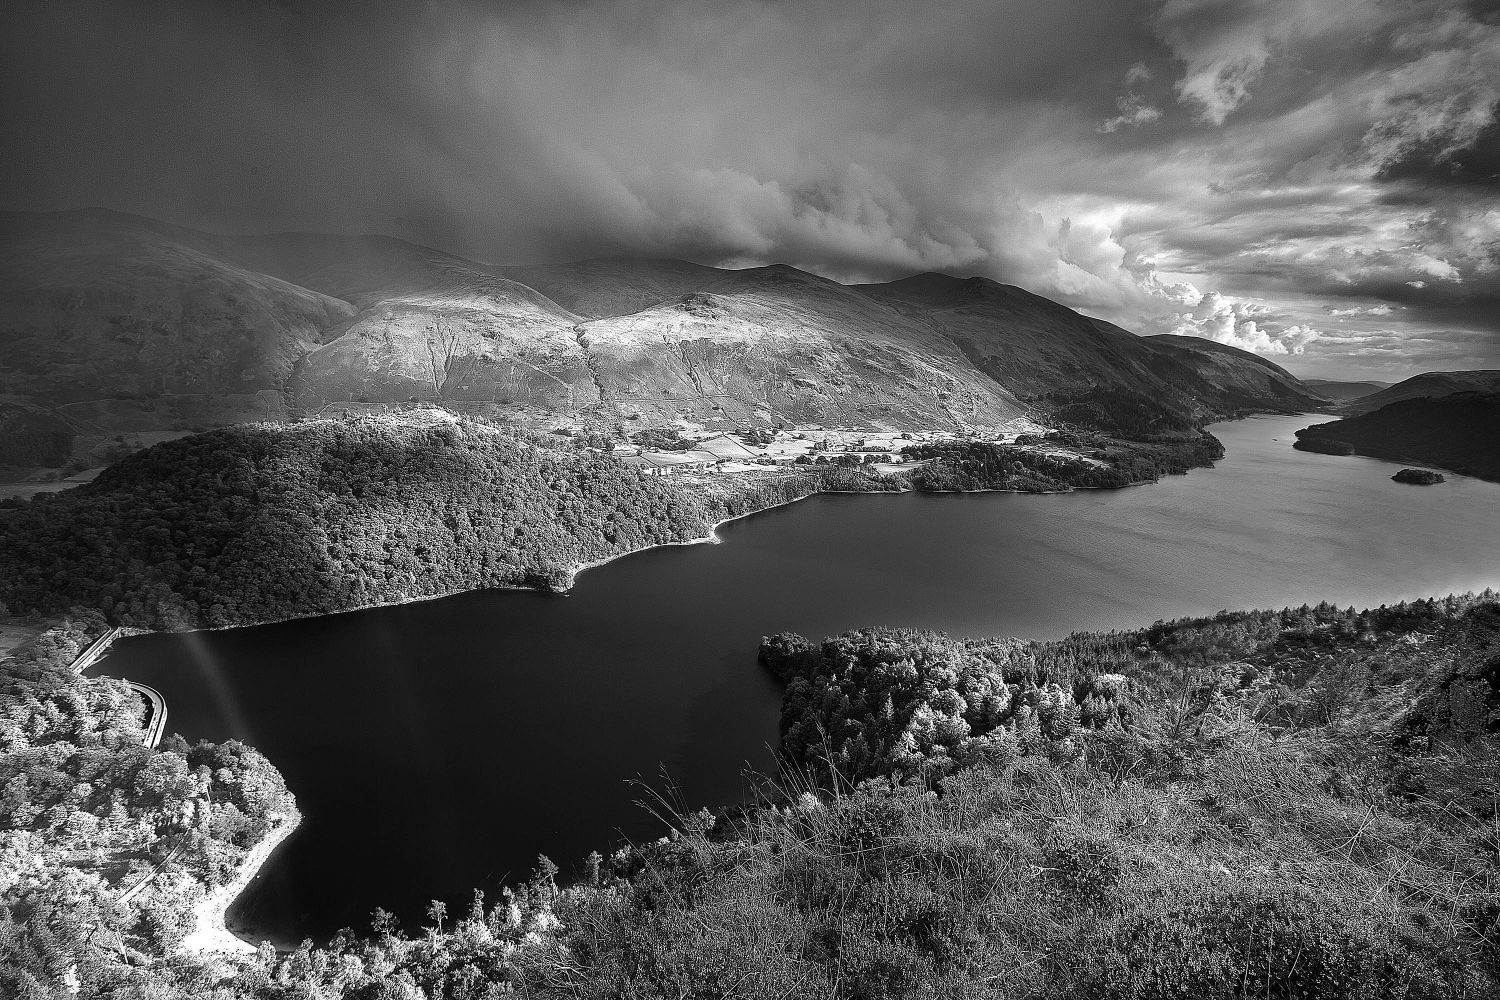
442 746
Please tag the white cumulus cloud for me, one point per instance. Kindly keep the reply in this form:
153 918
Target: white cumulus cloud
1237 322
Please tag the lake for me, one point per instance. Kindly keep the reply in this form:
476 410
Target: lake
441 746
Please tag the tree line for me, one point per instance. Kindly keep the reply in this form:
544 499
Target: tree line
881 701
266 522
956 466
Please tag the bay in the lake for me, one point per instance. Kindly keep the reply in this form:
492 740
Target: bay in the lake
441 746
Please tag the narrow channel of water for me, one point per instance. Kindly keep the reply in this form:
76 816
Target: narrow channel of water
439 747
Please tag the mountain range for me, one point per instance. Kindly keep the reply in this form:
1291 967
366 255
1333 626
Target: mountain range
112 324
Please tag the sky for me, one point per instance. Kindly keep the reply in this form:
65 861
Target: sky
1314 180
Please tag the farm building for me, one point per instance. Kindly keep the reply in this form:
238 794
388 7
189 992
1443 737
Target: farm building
661 463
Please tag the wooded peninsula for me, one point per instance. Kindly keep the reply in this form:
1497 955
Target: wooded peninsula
265 522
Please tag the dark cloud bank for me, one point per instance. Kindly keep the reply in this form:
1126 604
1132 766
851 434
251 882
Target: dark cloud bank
1316 180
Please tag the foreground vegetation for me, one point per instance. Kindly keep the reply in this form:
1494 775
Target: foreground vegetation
267 522
1299 803
106 846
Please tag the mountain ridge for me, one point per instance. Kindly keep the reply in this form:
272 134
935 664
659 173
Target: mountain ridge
1427 385
1344 392
157 327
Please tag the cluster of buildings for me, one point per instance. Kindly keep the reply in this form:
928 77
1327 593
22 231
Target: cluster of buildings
725 454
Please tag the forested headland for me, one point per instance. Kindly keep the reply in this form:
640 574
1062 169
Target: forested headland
1458 432
265 522
1076 459
272 521
1268 803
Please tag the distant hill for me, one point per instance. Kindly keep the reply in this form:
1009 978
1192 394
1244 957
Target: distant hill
1459 432
614 286
1051 355
111 324
1341 392
1428 385
1232 379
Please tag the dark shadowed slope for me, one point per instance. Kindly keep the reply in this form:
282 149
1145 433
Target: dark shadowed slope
1052 355
1236 379
1021 340
1459 432
1343 392
1428 385
116 324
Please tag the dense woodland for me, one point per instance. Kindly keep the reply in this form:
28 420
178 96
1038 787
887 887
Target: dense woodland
87 813
1296 803
1117 410
883 701
265 522
1459 432
977 465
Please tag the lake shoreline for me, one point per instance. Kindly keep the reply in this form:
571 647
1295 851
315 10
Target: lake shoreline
711 538
211 933
657 652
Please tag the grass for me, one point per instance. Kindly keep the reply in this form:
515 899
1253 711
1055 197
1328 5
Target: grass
1267 867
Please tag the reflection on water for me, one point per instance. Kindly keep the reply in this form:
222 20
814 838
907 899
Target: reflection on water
439 747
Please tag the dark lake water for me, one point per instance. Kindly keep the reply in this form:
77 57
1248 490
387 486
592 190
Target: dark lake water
441 746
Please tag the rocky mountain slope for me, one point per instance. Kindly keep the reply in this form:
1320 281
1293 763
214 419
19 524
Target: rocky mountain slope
1425 386
111 324
777 344
428 325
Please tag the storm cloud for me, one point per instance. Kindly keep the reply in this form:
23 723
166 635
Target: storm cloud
1311 179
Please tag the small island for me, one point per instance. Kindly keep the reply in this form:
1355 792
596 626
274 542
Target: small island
1419 477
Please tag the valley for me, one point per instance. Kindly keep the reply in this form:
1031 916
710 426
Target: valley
243 449
750 501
